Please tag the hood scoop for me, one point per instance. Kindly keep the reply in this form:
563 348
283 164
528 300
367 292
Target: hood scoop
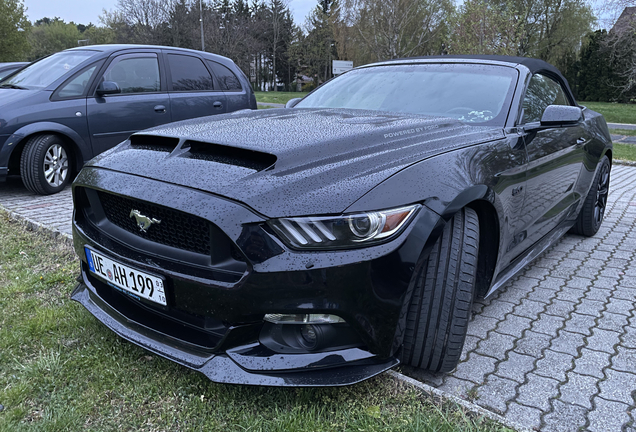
153 143
235 156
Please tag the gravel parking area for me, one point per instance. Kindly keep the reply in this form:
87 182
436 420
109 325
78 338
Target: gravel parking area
555 349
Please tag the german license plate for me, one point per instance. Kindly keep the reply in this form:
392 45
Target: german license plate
128 279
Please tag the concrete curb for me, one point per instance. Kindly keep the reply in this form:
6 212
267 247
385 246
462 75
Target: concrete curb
623 162
38 227
612 125
468 406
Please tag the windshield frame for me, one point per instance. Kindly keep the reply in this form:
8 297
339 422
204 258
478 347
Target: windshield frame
499 120
51 84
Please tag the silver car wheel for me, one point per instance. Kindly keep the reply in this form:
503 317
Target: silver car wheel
55 165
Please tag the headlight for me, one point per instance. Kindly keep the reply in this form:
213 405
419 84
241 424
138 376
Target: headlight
341 232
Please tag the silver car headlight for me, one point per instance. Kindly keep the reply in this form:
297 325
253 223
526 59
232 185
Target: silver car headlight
342 232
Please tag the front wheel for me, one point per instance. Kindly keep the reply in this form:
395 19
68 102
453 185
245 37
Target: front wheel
591 216
438 315
45 164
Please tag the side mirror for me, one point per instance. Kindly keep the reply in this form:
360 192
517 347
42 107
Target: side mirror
108 87
558 116
292 102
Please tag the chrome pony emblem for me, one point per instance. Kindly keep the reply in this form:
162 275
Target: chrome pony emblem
143 222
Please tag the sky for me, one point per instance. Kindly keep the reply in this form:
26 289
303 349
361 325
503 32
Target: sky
87 11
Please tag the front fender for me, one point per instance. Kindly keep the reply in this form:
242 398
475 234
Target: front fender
488 177
448 182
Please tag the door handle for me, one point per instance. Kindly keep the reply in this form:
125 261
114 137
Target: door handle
580 141
217 104
160 109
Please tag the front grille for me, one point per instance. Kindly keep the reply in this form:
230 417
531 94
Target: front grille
176 229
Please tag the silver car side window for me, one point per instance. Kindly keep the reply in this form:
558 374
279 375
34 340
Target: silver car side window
135 74
77 86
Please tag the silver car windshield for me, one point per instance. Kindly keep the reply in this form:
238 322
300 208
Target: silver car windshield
46 71
468 92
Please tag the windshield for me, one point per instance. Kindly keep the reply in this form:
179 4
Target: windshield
468 92
44 72
8 71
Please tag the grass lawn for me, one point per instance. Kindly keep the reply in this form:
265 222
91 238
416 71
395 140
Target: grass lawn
614 112
277 97
625 151
61 370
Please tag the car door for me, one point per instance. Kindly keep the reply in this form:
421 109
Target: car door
68 105
193 92
236 97
142 103
555 158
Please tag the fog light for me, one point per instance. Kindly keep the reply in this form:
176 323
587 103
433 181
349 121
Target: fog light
309 335
303 319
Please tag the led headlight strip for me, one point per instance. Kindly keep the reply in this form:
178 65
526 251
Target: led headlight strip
346 231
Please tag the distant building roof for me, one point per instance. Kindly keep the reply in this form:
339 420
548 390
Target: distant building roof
626 21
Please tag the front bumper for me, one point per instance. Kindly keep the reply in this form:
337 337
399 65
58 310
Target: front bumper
294 370
216 326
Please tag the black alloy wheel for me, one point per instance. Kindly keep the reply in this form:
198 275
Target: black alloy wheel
602 191
591 216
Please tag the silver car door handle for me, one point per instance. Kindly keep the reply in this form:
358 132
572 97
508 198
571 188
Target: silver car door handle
580 141
217 104
160 109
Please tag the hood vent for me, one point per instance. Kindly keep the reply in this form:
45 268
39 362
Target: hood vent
154 143
235 156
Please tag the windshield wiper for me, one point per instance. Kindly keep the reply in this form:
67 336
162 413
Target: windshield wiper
13 86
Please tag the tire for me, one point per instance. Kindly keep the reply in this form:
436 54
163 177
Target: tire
45 165
438 315
591 215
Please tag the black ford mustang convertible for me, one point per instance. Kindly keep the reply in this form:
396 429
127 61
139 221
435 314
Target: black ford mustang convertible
324 243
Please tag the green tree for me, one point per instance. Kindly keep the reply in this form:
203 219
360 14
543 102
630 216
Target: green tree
98 35
390 29
50 38
481 27
278 37
619 46
551 28
319 46
14 27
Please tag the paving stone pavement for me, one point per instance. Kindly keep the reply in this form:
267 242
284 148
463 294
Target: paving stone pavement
52 211
623 139
554 349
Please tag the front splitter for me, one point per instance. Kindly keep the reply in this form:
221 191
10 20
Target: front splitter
219 367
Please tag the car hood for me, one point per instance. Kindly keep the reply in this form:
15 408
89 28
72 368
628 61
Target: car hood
291 162
9 97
